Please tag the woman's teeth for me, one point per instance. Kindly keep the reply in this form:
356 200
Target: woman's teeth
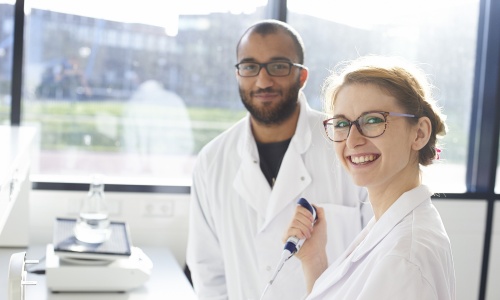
362 159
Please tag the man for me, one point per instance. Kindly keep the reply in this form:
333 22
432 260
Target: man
247 181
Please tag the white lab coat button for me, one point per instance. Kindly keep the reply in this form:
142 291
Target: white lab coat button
255 161
302 178
269 269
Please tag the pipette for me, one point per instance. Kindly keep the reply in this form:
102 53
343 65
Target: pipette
292 245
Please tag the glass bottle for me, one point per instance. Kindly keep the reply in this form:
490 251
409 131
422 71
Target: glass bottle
92 225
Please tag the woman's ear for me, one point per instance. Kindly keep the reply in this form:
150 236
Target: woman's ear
423 130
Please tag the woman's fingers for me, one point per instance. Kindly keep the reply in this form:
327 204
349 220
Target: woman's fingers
301 225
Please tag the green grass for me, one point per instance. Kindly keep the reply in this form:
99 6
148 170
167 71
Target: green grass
70 125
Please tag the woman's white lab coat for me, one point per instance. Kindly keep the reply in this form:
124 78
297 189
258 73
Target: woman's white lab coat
405 255
237 221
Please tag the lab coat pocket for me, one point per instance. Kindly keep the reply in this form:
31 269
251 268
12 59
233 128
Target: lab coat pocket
343 225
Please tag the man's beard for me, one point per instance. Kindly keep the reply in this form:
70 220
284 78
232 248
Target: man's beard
276 114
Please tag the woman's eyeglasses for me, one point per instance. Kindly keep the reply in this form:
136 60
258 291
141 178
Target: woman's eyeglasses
370 124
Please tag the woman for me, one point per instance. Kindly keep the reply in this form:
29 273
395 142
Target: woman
384 126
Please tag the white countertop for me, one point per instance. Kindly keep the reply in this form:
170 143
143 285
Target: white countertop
167 279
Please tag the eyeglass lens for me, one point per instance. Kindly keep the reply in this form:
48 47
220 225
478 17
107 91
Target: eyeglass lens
370 125
273 68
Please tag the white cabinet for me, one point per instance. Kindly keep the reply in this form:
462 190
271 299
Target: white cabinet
16 148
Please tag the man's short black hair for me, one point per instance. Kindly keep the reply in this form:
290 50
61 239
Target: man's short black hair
270 26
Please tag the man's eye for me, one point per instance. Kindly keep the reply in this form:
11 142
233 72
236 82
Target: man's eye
280 66
249 67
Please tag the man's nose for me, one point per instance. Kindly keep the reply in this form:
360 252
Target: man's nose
264 80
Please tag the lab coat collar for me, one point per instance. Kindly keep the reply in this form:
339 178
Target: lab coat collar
398 210
373 233
301 138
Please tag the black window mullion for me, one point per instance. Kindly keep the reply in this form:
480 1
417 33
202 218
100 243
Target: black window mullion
485 124
277 9
17 63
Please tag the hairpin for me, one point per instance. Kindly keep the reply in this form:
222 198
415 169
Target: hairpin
438 151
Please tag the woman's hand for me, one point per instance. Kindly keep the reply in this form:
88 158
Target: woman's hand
312 253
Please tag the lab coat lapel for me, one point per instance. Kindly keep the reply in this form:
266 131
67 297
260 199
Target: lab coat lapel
292 180
342 265
399 210
293 177
249 182
370 236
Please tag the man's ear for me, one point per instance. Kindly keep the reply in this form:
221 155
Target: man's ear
304 74
423 133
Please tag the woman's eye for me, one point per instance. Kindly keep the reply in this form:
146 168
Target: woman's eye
342 124
373 120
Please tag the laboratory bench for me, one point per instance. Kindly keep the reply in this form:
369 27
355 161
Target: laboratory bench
167 280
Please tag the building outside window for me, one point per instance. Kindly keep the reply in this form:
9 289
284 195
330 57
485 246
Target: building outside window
136 96
438 35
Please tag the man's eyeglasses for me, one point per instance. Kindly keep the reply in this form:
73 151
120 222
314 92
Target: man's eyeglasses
275 68
370 124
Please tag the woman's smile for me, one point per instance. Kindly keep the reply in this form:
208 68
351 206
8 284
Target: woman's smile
363 159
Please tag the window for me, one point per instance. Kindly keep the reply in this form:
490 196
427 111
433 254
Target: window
132 93
6 41
439 35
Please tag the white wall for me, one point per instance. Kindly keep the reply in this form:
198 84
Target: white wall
465 223
162 219
153 219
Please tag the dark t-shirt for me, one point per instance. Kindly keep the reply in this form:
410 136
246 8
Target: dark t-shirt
271 155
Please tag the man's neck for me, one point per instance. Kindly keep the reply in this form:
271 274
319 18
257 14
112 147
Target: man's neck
264 133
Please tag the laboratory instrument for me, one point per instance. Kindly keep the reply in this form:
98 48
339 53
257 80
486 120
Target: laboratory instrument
112 266
84 275
292 245
93 222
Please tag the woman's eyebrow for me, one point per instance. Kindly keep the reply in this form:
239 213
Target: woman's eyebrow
340 116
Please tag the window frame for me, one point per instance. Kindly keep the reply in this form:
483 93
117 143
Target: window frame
482 160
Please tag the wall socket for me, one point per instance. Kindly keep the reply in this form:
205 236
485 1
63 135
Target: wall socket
159 209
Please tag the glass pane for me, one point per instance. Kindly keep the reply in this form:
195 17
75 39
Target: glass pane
6 41
133 92
439 35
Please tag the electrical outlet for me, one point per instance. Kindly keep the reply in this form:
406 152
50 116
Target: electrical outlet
159 209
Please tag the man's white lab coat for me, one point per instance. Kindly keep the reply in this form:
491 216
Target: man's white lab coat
406 254
237 221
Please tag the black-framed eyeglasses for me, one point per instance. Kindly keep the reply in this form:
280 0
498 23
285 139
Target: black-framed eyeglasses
274 68
370 124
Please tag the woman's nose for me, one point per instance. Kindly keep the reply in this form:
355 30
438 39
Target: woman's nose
355 137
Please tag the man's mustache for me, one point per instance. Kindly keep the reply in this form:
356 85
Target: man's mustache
264 91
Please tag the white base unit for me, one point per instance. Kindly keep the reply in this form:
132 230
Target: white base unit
119 275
